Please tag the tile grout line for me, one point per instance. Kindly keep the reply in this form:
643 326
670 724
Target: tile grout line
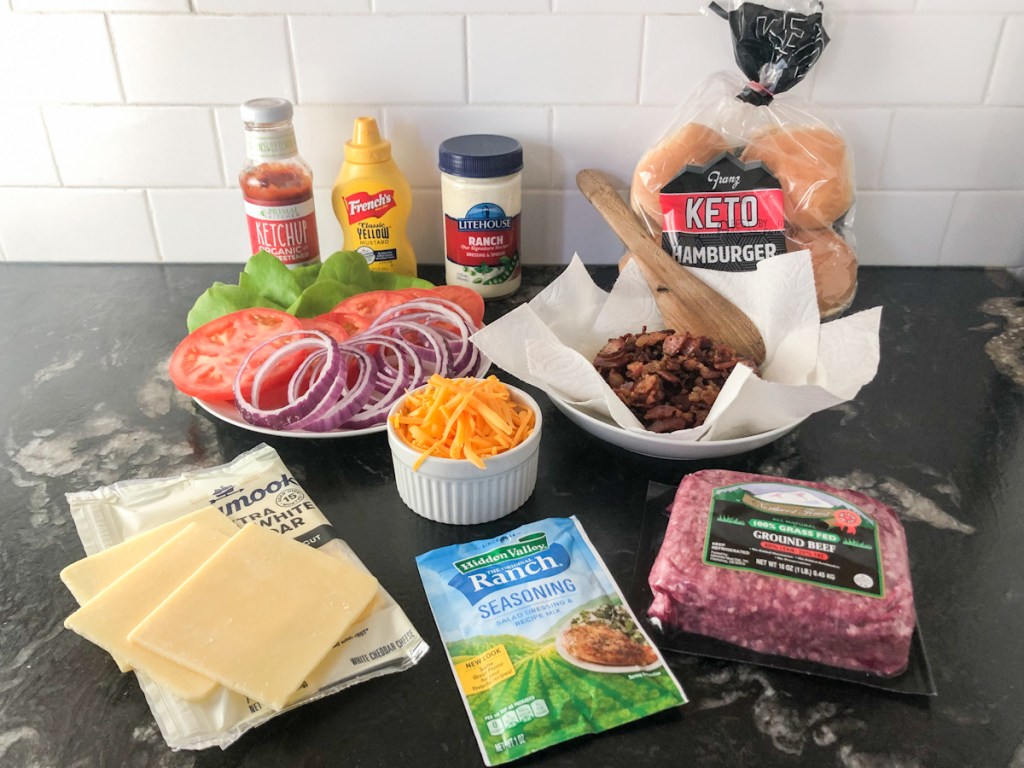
153 230
465 60
945 229
289 41
117 62
49 144
222 155
1000 42
644 24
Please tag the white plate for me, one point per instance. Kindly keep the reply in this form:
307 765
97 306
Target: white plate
227 412
591 667
662 446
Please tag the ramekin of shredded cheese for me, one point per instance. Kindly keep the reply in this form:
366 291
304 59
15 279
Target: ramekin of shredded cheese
465 450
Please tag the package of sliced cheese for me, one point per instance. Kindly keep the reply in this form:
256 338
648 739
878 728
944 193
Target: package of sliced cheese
744 170
254 489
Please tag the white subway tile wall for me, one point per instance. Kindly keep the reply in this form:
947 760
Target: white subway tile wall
121 140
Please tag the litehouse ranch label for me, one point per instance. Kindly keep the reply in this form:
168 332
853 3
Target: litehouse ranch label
726 215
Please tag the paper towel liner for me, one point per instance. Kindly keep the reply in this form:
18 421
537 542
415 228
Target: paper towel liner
809 366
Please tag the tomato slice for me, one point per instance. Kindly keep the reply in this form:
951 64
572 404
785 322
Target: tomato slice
325 324
350 322
370 303
467 298
205 363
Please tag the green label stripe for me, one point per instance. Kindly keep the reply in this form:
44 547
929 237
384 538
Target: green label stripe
527 545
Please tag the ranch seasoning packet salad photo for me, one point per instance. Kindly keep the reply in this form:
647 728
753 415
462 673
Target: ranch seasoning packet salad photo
541 642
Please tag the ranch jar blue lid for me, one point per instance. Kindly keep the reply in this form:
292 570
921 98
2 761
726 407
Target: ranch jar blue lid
480 156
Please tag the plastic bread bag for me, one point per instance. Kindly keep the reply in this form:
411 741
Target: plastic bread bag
256 488
743 172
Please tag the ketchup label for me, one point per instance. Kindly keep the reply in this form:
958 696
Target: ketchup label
287 231
364 205
484 237
726 215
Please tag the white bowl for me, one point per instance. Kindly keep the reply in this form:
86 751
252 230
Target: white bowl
662 446
455 491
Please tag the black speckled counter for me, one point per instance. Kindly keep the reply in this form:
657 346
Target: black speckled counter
939 435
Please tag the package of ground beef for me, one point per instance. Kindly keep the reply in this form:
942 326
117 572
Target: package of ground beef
789 568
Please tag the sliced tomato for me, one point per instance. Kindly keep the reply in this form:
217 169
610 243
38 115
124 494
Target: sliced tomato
350 322
325 324
205 363
467 298
416 293
370 303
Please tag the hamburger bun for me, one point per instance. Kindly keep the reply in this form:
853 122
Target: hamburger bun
693 144
835 267
813 167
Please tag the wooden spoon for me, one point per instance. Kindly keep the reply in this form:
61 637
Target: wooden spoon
685 301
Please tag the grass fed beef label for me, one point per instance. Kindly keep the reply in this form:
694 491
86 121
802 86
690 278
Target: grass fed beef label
797 533
726 215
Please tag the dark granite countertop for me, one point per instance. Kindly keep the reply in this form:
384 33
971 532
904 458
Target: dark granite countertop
939 435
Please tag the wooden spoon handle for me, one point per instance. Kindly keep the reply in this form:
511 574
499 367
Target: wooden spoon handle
685 301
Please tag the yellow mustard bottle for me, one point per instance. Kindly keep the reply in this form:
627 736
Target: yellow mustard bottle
372 201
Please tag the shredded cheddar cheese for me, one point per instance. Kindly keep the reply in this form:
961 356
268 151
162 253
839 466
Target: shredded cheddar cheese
470 419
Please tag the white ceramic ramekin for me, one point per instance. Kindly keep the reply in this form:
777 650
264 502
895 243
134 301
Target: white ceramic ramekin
456 492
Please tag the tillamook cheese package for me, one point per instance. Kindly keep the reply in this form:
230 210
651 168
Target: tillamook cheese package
254 489
542 645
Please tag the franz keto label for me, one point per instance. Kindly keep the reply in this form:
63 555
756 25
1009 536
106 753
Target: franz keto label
542 645
726 215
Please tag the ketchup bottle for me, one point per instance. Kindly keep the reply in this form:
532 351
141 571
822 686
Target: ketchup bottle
277 185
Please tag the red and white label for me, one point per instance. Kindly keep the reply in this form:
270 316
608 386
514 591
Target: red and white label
703 213
364 205
287 231
476 242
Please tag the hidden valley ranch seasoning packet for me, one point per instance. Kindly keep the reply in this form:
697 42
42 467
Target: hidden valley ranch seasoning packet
542 645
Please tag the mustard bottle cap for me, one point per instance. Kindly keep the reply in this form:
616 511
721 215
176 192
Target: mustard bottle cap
366 145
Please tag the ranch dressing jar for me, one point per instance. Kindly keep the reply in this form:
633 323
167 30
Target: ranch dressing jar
481 196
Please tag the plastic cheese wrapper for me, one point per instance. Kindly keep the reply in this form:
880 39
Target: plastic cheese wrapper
742 171
254 489
541 642
551 343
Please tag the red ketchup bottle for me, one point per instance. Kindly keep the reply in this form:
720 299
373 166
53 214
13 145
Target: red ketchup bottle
277 185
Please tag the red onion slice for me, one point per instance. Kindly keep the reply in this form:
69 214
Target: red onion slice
397 353
342 401
295 409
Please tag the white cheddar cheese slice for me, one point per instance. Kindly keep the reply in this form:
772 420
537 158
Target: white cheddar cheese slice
87 577
259 615
107 619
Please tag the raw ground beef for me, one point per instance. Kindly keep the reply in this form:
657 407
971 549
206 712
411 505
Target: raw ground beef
775 615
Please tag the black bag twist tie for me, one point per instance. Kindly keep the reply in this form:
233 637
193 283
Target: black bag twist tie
775 49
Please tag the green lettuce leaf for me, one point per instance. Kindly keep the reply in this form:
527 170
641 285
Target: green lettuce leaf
304 291
221 299
322 296
271 279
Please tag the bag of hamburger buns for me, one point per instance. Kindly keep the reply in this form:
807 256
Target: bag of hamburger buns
743 173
